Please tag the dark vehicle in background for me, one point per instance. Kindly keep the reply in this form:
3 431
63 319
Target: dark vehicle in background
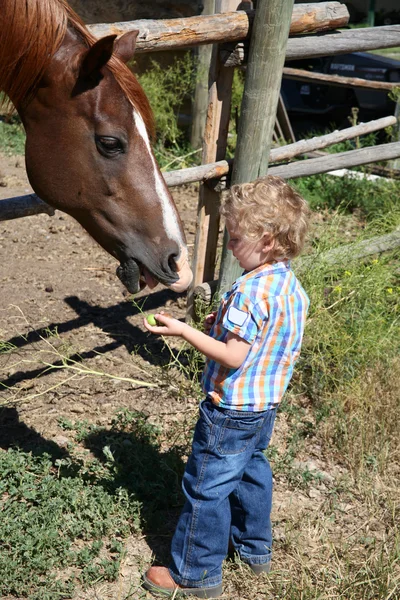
326 104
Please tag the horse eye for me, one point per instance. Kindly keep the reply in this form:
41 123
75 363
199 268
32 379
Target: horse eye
109 146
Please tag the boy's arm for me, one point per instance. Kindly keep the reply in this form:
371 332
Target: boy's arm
230 354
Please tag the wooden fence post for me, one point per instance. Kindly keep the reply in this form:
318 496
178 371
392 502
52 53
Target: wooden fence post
396 135
214 149
259 105
200 101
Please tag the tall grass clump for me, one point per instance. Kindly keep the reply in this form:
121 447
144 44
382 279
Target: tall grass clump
352 344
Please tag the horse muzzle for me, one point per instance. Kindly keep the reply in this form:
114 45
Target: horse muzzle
135 276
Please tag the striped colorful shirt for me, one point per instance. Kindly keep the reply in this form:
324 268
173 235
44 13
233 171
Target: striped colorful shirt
267 308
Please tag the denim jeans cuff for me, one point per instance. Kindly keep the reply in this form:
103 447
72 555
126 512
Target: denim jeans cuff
206 582
256 559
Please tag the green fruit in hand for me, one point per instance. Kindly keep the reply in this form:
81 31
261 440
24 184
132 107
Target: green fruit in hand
152 320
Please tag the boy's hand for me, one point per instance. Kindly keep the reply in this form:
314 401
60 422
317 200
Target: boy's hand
209 322
170 326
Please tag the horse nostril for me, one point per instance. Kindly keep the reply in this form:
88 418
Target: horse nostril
172 263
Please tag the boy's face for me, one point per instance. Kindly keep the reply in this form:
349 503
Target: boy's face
248 253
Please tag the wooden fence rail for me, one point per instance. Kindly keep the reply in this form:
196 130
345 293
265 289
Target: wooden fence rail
329 44
336 80
324 164
174 34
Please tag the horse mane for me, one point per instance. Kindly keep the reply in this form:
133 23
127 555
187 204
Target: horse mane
31 33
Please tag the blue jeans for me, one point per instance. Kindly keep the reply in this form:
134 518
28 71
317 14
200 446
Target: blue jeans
228 489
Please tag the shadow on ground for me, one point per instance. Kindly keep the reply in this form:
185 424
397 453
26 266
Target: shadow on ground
16 434
113 320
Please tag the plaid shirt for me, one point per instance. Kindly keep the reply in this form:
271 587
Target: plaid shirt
267 308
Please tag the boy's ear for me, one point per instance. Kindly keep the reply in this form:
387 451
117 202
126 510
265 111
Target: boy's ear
268 242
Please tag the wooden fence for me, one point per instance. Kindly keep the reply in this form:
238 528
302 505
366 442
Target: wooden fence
262 39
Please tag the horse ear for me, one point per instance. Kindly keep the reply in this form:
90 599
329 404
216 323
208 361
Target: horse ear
125 46
97 56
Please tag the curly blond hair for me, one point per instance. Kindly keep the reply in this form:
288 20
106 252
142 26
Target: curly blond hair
269 205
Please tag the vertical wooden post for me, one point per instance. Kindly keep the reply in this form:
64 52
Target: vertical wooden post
214 149
259 106
395 164
200 101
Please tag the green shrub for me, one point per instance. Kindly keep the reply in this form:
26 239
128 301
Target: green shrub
167 89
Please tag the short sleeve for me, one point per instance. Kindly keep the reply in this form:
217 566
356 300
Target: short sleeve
242 318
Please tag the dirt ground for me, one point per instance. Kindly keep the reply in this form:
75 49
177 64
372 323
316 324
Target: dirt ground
60 295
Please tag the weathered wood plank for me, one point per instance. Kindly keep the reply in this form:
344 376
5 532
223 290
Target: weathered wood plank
329 44
323 141
351 252
220 168
342 160
168 34
341 42
336 80
200 100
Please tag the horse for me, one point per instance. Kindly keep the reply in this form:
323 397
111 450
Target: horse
89 128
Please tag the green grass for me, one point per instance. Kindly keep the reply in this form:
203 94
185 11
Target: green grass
44 514
392 52
375 201
12 137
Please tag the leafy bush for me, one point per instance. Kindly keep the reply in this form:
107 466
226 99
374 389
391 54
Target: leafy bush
167 89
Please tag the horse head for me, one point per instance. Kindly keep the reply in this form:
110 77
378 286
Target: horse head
88 153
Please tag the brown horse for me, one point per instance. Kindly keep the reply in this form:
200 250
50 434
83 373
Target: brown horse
88 125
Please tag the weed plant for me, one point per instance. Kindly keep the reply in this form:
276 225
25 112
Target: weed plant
45 512
64 523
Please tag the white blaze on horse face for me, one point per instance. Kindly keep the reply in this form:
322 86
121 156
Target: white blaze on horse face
171 225
170 220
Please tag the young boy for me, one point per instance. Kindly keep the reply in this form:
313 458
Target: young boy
254 340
